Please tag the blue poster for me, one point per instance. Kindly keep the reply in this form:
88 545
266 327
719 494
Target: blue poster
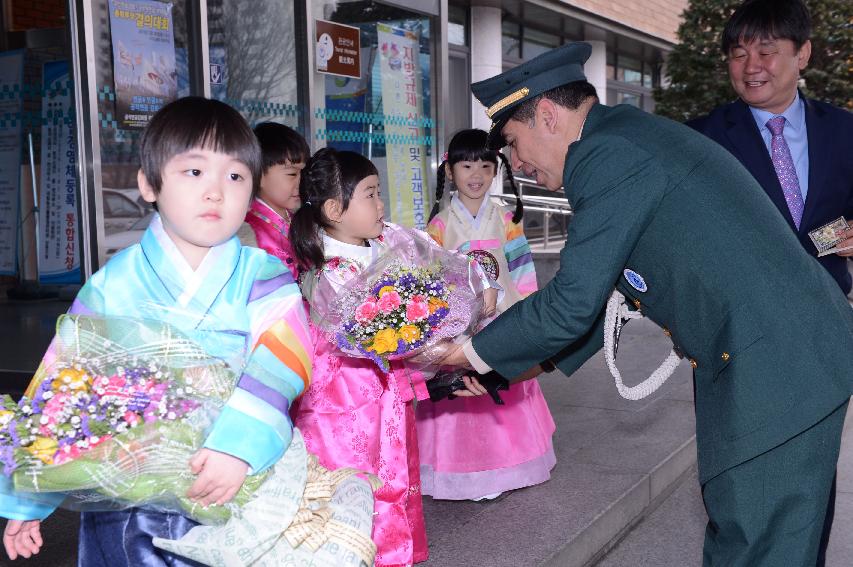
143 59
59 238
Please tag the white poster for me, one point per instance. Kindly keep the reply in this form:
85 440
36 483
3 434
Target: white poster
59 240
11 77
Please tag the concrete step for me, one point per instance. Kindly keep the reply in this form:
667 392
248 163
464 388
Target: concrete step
616 461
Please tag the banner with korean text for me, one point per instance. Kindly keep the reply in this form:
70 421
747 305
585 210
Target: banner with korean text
143 59
59 238
405 146
11 77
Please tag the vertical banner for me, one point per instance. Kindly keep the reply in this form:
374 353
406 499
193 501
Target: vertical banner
347 97
59 241
11 106
402 102
144 68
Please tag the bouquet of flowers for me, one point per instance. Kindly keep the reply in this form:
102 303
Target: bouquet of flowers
408 304
113 420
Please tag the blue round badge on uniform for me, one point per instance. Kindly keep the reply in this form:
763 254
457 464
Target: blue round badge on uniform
636 280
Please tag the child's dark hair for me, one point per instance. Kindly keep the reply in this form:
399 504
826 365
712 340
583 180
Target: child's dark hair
471 145
195 122
328 175
281 144
766 19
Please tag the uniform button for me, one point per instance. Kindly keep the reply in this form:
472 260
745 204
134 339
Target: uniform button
667 332
725 356
693 363
637 303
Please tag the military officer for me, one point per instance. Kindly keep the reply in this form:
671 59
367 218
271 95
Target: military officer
677 225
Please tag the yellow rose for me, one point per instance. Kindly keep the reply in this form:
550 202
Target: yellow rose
6 416
43 448
435 304
72 379
386 289
410 333
384 341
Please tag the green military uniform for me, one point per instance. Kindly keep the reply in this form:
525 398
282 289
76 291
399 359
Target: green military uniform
676 224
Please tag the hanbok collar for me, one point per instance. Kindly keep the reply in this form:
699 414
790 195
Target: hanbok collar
266 213
363 255
463 211
200 286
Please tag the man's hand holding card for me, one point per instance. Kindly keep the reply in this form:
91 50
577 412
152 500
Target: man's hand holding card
835 237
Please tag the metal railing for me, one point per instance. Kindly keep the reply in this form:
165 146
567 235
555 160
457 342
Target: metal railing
547 206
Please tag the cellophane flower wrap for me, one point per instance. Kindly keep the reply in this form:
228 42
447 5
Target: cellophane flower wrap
113 421
411 303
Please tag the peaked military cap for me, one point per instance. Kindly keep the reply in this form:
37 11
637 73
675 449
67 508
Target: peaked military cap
503 93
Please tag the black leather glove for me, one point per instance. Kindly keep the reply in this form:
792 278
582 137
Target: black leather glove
445 383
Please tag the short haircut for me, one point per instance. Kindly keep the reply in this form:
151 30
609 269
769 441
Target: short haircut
281 144
570 95
767 19
194 122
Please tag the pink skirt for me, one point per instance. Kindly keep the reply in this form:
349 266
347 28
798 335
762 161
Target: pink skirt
470 447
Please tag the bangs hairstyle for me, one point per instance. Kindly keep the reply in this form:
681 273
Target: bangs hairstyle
767 19
472 145
281 144
195 122
328 175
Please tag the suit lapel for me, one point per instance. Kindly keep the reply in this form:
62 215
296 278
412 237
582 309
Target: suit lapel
743 134
819 137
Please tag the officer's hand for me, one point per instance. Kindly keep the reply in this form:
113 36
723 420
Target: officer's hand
472 388
454 357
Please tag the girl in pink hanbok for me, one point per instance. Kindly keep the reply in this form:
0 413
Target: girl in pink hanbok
470 448
354 414
267 223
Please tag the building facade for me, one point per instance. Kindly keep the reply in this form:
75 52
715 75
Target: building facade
387 78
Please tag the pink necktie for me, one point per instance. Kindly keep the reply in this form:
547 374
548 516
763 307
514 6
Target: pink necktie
780 153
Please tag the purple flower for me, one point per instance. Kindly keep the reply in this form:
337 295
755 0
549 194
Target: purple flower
84 425
138 402
7 457
380 284
407 280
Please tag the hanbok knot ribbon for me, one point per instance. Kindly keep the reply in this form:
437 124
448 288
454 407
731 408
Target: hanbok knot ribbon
313 525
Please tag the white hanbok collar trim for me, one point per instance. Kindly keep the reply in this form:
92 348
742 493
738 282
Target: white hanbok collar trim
364 255
188 279
463 211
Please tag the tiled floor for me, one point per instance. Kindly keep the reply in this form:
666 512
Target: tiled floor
28 327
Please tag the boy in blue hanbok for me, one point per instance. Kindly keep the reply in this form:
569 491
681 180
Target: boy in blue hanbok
200 167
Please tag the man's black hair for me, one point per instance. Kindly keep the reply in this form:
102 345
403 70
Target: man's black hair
767 19
570 96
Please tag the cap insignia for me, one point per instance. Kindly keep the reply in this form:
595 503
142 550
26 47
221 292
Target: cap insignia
507 100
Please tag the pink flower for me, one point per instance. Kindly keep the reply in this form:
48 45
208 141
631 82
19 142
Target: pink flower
417 310
366 311
67 453
389 301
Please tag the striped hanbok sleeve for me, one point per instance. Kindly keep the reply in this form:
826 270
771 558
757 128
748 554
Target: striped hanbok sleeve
519 258
254 424
435 229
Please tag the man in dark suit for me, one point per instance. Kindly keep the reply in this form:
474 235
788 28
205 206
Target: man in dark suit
767 45
684 232
772 127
